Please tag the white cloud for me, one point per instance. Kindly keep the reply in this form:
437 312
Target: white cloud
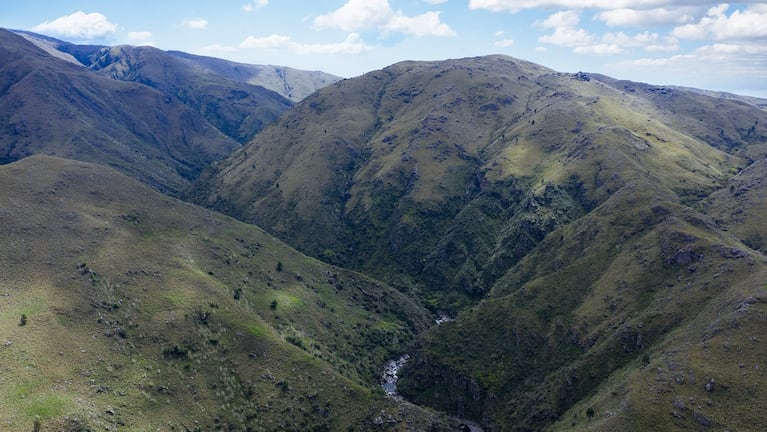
426 24
353 44
195 24
646 40
758 51
255 4
517 5
357 15
267 42
662 47
730 60
568 18
599 49
435 2
740 67
568 37
717 25
139 36
649 17
504 43
566 32
79 26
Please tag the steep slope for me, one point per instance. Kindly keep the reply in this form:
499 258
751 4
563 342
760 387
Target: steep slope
54 107
124 309
642 315
238 109
294 84
599 240
392 172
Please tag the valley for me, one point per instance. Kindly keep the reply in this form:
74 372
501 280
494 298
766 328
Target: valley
502 245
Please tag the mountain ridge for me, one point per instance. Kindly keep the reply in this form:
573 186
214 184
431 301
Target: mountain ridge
293 84
561 218
597 246
55 107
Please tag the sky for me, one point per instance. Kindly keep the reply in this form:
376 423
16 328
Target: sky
695 43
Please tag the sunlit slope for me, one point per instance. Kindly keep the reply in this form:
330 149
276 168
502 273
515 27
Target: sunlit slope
443 175
141 312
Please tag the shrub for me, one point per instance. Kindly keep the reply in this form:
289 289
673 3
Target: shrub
23 320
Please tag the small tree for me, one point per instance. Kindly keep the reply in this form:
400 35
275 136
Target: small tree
279 266
23 320
273 305
590 412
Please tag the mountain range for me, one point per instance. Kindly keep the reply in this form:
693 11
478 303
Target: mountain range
599 243
592 248
157 116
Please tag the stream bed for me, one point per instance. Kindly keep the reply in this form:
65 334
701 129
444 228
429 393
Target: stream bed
390 376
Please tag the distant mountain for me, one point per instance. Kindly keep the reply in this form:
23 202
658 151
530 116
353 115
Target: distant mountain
124 309
236 108
294 84
599 242
51 106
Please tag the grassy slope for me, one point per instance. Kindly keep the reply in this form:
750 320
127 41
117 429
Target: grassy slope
624 310
447 173
54 107
378 166
238 109
293 84
578 209
146 313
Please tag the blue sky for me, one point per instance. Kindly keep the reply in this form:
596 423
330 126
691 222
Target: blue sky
710 45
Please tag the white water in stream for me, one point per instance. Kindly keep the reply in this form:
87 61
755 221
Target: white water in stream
390 376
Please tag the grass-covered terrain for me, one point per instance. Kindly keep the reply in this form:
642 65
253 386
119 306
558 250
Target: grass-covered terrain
51 106
599 245
293 84
599 242
443 175
237 109
123 309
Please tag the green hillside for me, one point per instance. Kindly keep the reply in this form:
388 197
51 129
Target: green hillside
51 106
599 242
446 174
238 109
124 309
294 84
